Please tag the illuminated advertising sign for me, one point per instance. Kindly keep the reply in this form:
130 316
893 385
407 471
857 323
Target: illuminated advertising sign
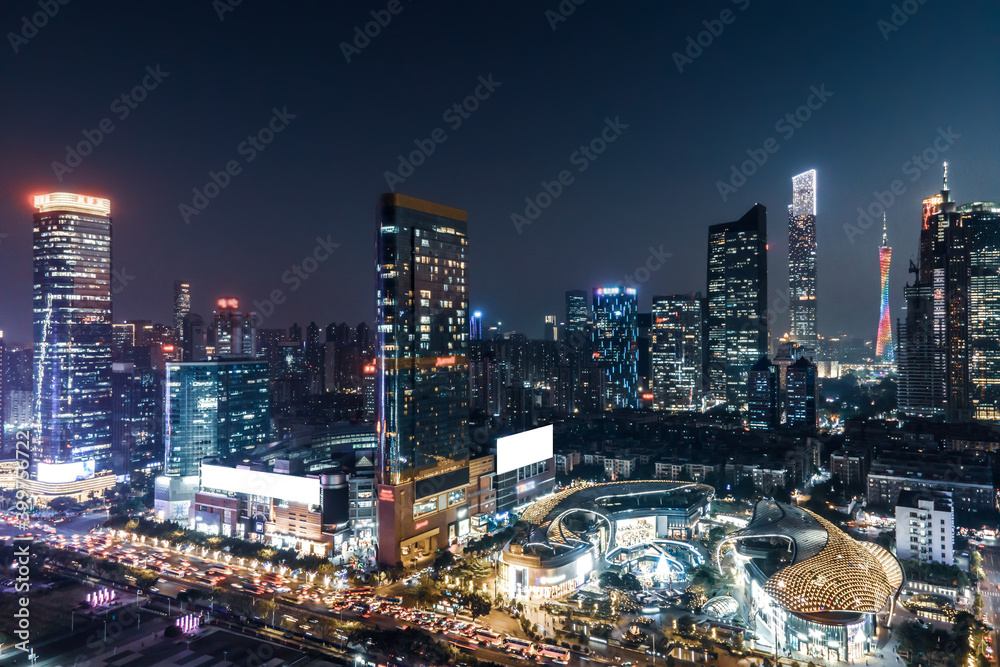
305 490
523 449
385 495
64 201
422 524
61 473
445 361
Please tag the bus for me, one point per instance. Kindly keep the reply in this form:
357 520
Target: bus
521 647
485 637
390 600
549 653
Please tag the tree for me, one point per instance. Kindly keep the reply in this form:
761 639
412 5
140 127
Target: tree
472 569
629 582
479 604
977 605
976 565
425 593
609 579
444 560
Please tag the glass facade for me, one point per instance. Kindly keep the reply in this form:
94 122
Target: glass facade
72 330
802 259
983 223
737 303
214 409
422 339
676 352
616 348
883 342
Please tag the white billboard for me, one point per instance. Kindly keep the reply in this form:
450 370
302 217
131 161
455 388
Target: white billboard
305 490
61 473
523 449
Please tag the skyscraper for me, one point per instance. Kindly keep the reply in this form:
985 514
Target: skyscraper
231 332
72 332
802 259
762 395
214 408
982 219
182 306
676 352
423 387
801 395
577 316
736 321
883 343
615 331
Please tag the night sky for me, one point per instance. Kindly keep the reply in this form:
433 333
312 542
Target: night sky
894 91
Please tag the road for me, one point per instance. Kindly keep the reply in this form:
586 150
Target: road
991 593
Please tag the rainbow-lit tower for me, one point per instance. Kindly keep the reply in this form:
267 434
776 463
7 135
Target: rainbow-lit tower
883 344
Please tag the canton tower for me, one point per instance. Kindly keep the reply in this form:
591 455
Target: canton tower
883 345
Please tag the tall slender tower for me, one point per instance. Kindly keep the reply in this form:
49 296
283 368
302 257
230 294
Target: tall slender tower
72 336
422 399
883 344
802 258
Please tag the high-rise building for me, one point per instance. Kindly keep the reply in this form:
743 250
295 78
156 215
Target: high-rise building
802 259
214 408
3 383
762 395
137 427
800 395
182 306
577 314
423 385
232 332
476 326
615 333
736 320
925 527
315 359
883 343
982 219
72 332
551 329
194 339
676 352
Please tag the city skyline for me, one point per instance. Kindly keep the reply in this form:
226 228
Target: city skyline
153 243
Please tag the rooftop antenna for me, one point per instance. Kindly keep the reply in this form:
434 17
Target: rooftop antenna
945 176
885 240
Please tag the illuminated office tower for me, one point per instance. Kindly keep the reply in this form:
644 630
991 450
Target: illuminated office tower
551 329
476 326
182 306
214 408
615 332
982 220
72 335
802 259
232 331
883 343
762 395
676 352
422 323
736 318
577 314
800 401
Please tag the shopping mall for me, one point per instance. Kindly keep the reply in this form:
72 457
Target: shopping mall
638 526
812 588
